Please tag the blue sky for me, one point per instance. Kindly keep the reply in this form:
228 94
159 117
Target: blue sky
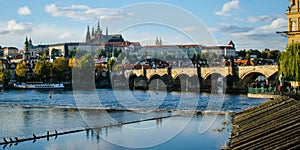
249 23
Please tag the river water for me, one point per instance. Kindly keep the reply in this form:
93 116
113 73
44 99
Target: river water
27 112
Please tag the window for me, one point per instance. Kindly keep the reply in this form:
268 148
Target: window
299 24
292 24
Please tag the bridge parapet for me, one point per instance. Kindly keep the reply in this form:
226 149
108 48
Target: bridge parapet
224 71
184 71
160 72
267 70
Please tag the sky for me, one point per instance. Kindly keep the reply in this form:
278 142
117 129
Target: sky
250 24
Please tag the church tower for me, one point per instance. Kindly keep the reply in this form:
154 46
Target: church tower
293 15
26 53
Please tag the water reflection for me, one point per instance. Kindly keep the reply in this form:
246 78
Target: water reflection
99 138
24 113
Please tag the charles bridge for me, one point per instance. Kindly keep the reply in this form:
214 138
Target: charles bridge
236 78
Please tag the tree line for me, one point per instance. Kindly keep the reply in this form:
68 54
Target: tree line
289 63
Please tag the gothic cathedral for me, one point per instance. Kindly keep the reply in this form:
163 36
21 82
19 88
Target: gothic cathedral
96 37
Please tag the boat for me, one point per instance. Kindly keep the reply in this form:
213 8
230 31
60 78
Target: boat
38 86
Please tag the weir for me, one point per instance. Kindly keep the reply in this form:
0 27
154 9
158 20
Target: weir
56 134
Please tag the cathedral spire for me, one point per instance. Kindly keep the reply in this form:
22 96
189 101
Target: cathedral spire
106 31
158 41
93 31
98 26
88 35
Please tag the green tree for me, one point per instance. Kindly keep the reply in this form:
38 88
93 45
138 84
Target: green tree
61 70
44 53
4 73
254 52
54 53
86 61
289 62
83 70
43 69
21 71
110 64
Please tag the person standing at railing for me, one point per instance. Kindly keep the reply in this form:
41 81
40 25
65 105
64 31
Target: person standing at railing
280 89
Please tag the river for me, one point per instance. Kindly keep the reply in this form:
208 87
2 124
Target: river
28 112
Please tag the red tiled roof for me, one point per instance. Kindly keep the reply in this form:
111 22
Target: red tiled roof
116 44
166 46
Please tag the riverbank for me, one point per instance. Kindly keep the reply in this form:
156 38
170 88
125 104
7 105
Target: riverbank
272 125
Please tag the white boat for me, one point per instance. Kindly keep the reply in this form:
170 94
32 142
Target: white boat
38 86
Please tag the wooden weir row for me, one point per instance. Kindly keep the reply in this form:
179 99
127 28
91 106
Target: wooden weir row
48 135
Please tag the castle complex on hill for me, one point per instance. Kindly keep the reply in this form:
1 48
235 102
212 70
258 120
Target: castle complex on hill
97 37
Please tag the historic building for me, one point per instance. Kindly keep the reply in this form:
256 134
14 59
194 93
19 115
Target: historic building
10 52
225 50
96 36
293 16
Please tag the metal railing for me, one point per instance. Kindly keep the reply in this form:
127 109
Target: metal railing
295 93
262 90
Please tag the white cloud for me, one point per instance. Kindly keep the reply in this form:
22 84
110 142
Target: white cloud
260 18
277 24
228 7
45 33
83 12
65 35
24 11
259 37
14 27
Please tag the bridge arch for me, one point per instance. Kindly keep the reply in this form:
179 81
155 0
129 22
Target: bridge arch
137 82
181 82
119 81
131 81
211 80
209 74
266 71
250 78
194 83
156 82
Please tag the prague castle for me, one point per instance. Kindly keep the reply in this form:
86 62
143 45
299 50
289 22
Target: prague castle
293 16
97 37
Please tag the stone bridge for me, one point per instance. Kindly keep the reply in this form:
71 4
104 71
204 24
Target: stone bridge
238 77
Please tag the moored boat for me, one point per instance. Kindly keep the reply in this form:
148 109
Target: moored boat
38 86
